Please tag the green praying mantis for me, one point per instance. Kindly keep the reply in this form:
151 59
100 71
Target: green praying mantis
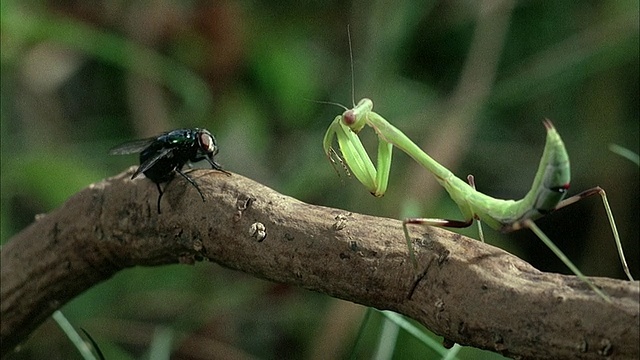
547 194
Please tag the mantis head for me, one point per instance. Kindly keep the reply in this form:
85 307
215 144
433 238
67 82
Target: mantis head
354 156
356 118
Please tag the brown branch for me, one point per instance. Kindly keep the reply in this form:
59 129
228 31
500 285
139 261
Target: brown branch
469 292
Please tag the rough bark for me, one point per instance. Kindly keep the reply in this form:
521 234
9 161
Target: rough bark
469 292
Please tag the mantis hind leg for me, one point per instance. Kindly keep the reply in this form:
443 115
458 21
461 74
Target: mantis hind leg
472 182
614 228
545 239
431 222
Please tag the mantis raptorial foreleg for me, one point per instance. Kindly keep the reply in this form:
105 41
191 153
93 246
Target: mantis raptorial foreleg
546 195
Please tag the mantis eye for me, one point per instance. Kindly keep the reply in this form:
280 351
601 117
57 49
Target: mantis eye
349 117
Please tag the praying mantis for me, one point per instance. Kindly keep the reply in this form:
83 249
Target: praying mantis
547 193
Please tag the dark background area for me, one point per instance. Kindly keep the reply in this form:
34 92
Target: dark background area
470 82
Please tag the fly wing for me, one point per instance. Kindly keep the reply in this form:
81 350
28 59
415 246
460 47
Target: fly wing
131 147
150 161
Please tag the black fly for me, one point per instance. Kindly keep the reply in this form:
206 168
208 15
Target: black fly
164 155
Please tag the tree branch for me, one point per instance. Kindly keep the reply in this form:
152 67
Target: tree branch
469 292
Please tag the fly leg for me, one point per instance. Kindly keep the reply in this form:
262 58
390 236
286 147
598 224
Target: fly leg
190 180
160 193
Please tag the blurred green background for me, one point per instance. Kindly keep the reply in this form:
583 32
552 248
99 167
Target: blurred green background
468 81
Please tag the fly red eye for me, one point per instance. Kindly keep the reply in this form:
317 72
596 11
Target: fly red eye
207 143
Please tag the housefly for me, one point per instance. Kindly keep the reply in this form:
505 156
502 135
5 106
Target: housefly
164 155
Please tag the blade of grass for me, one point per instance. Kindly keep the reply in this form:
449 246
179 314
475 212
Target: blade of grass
73 335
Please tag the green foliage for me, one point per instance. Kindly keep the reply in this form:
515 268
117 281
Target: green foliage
77 80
